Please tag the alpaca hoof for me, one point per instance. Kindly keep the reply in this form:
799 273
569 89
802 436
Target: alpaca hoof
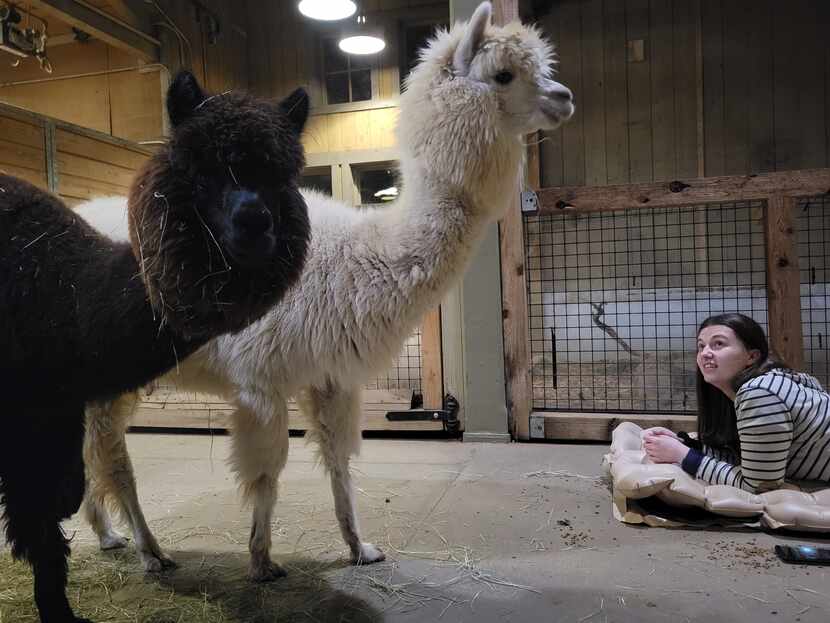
155 563
113 540
267 572
368 554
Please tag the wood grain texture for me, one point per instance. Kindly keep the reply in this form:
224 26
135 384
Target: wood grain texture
684 192
783 281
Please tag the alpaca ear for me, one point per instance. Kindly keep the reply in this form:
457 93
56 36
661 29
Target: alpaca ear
296 107
466 50
183 96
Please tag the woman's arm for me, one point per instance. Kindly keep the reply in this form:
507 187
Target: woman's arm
765 431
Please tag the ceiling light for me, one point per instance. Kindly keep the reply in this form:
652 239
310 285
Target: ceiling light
328 10
362 44
361 39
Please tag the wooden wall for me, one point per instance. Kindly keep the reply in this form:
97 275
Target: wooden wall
129 104
725 87
23 149
344 131
121 103
75 163
88 166
284 53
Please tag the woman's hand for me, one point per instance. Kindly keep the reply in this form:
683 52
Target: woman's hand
659 430
664 449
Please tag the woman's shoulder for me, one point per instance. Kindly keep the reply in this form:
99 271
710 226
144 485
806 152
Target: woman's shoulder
779 381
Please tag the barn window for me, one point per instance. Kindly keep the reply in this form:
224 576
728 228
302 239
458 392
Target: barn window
348 77
415 37
375 184
318 178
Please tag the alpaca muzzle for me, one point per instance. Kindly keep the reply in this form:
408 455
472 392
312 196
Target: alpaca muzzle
558 103
250 239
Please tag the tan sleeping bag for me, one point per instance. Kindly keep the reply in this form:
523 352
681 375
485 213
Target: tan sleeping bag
635 478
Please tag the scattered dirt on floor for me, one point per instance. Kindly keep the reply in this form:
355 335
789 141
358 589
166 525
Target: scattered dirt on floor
732 555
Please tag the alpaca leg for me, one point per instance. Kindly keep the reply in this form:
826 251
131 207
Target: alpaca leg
97 516
259 454
111 473
41 483
335 413
97 454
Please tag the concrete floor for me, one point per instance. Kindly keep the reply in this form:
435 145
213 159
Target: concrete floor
473 532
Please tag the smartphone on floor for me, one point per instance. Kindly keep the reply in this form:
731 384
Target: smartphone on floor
803 554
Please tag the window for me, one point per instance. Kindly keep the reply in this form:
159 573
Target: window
318 178
415 37
348 77
375 185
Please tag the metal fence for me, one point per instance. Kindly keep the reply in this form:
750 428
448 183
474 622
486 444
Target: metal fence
615 299
406 371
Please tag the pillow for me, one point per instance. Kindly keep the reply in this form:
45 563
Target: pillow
634 477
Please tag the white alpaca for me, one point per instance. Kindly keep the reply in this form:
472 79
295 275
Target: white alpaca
370 277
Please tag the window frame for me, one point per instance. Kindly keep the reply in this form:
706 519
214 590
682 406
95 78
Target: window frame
374 76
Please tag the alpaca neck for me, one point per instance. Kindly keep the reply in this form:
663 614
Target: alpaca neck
432 232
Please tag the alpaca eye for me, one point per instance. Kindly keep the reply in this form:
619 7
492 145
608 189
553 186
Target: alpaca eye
503 77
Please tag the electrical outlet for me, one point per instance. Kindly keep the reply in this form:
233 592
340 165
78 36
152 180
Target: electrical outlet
530 202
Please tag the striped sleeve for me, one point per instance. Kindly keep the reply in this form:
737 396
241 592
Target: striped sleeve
765 431
719 454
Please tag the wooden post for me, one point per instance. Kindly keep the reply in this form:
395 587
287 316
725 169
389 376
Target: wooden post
514 289
432 372
505 11
783 281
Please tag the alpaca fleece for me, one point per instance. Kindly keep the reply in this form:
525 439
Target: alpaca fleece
238 139
77 323
371 276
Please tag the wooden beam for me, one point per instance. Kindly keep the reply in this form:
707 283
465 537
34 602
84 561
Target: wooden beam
432 371
505 11
783 281
599 426
220 420
514 290
803 183
102 26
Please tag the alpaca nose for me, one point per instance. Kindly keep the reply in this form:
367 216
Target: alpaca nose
561 92
250 217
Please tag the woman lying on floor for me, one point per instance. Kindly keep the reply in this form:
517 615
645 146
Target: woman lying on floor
758 421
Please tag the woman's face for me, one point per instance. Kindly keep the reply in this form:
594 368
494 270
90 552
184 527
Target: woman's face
721 355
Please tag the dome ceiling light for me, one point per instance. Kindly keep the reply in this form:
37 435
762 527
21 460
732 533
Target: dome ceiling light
327 10
360 39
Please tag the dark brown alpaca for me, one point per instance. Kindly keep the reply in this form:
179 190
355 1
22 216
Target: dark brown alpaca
221 232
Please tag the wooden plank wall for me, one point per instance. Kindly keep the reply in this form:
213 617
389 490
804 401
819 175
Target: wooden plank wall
284 53
84 163
22 149
726 87
349 131
125 104
128 104
283 45
89 166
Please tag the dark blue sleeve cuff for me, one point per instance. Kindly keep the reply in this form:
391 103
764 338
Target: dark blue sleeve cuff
692 462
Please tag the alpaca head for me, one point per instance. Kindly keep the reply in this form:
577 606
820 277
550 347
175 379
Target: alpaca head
216 218
476 90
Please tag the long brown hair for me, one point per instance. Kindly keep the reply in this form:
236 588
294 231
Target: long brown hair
716 419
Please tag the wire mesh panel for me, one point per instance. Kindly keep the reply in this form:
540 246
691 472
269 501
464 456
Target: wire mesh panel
405 372
813 218
615 299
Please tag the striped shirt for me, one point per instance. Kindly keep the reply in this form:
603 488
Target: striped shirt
783 420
